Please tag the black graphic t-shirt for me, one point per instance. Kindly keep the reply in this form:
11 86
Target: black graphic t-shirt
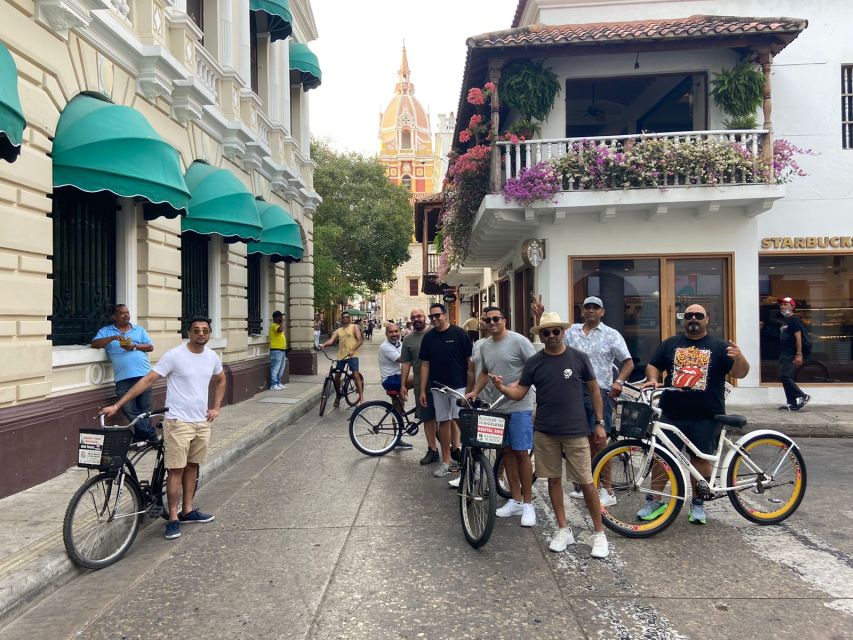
447 353
699 365
787 339
560 381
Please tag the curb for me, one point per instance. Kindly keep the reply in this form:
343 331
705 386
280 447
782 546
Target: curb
826 430
52 569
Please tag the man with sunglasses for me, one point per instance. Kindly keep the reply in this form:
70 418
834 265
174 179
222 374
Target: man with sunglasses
697 364
410 361
504 353
445 353
560 374
188 369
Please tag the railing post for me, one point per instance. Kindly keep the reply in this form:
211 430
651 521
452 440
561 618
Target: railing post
766 60
495 77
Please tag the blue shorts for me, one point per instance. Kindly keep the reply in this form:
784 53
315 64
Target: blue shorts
391 383
352 363
521 430
590 412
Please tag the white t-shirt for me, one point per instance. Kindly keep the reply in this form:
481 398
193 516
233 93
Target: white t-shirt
187 381
389 354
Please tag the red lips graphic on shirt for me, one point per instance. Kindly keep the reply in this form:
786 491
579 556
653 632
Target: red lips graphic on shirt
687 377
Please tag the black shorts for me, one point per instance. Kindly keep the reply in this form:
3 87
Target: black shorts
704 434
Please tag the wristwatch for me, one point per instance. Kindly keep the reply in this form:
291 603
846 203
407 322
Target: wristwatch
601 422
621 383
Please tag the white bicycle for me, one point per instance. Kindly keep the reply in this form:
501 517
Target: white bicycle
762 473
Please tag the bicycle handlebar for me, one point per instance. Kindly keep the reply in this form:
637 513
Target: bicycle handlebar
147 414
460 398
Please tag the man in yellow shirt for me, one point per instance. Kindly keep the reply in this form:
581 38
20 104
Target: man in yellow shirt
349 339
278 344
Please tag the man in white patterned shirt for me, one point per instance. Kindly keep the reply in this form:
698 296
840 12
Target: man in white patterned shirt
605 347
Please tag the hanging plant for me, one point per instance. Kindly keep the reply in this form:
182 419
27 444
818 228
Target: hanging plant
739 92
529 88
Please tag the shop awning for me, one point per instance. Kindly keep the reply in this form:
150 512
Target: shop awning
12 123
281 238
101 146
279 20
303 61
220 205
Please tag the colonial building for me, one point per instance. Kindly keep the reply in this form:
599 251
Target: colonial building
156 154
733 238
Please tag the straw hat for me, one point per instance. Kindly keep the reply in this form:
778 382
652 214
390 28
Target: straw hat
550 319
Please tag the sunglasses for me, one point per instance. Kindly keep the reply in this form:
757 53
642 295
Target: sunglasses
547 333
690 315
434 316
201 331
492 319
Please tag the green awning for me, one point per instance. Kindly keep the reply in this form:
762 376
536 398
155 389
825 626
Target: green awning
303 60
12 123
220 205
101 146
281 238
279 20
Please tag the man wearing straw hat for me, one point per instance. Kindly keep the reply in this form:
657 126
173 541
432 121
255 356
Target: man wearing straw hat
560 374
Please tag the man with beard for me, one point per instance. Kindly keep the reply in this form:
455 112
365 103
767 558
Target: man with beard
389 371
410 361
696 363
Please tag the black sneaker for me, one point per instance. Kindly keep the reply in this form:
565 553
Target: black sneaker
456 454
431 457
404 445
787 407
195 516
173 530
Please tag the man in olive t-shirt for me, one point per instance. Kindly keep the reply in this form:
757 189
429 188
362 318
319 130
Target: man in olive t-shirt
410 359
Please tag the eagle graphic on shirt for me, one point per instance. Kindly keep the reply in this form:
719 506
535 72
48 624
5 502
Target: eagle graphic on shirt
690 368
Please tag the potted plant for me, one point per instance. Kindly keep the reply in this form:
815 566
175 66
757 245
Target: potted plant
530 89
739 92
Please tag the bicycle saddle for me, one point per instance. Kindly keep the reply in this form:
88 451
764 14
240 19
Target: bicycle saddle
732 420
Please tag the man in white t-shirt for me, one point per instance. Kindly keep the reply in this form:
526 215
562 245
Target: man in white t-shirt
389 371
188 369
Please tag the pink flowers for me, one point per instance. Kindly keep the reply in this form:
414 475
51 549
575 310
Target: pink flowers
476 96
489 86
475 121
539 182
464 136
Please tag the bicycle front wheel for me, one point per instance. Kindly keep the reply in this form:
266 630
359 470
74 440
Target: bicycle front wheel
375 428
102 521
781 473
477 498
646 484
328 387
350 390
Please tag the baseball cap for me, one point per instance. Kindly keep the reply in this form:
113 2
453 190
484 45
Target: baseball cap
593 300
789 301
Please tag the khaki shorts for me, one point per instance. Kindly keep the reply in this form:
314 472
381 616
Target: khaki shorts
548 450
185 442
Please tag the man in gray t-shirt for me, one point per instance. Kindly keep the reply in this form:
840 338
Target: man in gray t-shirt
504 354
409 359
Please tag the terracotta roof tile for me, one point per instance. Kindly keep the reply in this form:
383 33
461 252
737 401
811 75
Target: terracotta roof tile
700 26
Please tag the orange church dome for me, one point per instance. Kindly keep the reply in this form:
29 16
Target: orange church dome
404 126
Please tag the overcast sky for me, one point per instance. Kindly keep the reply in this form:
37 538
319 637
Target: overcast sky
359 51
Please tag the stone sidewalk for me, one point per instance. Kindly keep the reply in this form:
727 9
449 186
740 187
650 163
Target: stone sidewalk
32 555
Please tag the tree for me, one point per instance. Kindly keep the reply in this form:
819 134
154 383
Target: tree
362 229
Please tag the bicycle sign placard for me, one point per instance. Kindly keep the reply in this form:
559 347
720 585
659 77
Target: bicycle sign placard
490 429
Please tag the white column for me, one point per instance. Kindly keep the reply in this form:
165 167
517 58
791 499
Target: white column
305 134
273 96
284 83
126 256
226 25
245 48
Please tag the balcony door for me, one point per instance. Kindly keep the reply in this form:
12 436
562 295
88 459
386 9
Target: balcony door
645 298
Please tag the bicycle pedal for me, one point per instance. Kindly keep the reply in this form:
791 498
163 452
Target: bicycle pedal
155 512
412 430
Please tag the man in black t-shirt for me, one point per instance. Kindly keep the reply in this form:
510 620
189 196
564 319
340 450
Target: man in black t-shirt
445 354
698 364
560 374
791 355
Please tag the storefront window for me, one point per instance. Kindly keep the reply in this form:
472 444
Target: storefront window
823 289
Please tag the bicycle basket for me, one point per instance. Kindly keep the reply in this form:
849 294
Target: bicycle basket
483 429
103 449
634 419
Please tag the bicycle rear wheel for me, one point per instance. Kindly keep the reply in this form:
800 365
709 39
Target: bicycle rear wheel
350 390
631 472
102 521
375 428
328 387
477 498
776 499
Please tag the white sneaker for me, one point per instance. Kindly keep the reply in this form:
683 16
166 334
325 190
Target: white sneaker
606 498
577 494
511 508
443 470
562 539
528 515
455 482
600 547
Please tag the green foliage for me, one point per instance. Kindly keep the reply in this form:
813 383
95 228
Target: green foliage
738 92
362 229
529 88
523 128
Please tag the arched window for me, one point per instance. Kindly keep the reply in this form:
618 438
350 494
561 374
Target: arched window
406 139
406 181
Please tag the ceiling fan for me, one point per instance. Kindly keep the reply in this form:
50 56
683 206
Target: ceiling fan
592 110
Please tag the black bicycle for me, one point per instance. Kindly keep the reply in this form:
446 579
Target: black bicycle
105 513
341 381
376 427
